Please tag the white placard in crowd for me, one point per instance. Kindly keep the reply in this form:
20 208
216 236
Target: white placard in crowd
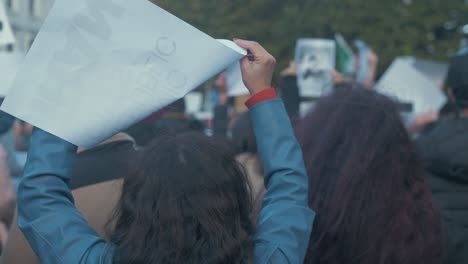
193 102
403 82
9 64
315 60
235 85
434 70
6 35
96 67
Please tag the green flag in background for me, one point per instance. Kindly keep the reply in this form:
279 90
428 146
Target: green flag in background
345 56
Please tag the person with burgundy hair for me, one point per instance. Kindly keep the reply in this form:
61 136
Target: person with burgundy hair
367 184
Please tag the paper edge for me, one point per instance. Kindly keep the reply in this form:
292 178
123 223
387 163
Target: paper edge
230 44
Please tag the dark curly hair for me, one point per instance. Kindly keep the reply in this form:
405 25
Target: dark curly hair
188 201
367 184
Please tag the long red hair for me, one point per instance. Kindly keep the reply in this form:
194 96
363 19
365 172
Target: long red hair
367 184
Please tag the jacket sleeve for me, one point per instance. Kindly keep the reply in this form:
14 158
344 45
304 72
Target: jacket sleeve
285 221
54 228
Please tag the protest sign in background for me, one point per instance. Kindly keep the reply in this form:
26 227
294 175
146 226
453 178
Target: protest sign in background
406 84
346 59
315 60
9 64
6 35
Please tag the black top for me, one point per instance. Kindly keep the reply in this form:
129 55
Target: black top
290 96
444 150
220 121
103 163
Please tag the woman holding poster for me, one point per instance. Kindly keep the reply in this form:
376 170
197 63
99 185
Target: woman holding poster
187 200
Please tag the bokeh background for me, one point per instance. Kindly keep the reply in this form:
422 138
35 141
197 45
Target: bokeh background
427 29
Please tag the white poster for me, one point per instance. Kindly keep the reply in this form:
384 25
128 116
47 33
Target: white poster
315 60
406 84
9 64
235 84
6 35
193 102
434 70
98 66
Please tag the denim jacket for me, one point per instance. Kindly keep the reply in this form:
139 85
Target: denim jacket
58 233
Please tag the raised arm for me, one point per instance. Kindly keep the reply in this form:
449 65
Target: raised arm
54 228
285 222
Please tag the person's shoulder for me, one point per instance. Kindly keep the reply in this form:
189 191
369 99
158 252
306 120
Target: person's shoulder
444 149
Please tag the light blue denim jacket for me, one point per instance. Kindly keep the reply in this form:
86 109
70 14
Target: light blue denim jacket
58 233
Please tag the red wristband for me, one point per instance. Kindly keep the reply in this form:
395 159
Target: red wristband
265 95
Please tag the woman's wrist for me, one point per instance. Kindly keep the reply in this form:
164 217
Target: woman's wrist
261 96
